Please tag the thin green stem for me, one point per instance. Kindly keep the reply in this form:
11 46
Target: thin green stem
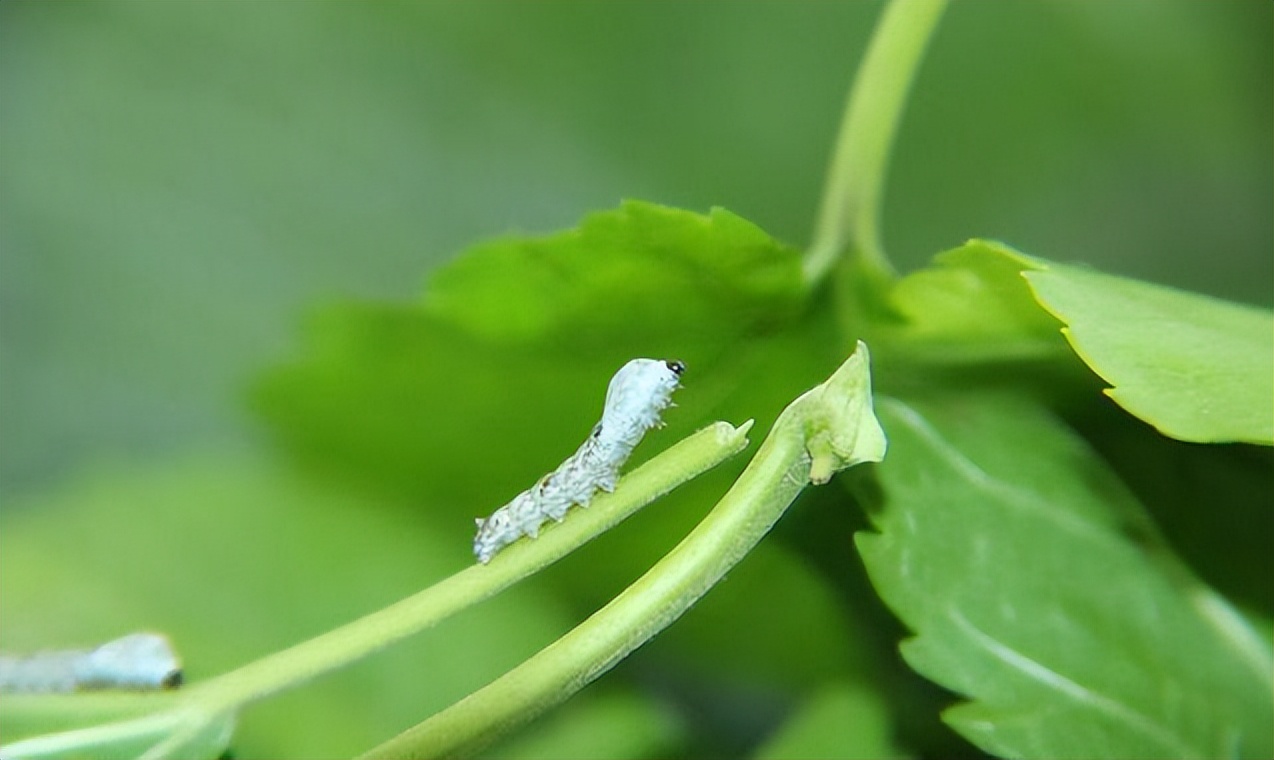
349 643
832 426
849 216
648 606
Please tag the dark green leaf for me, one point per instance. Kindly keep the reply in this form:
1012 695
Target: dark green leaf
1038 590
841 722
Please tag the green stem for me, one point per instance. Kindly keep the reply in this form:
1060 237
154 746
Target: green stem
849 217
291 667
835 417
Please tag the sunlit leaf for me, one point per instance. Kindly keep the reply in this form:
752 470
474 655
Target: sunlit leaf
1197 368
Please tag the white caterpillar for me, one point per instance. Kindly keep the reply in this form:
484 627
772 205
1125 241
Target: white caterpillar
136 661
637 394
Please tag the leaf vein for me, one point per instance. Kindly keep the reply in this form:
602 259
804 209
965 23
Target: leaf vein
1173 743
1005 492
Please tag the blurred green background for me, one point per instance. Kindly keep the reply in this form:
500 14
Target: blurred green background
181 182
180 179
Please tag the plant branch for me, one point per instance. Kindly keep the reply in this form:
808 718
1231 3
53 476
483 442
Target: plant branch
683 461
849 216
827 429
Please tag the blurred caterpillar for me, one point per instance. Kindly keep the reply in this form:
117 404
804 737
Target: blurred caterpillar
136 661
637 394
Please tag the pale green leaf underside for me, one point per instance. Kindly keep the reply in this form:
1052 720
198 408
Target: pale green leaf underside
1037 590
1196 368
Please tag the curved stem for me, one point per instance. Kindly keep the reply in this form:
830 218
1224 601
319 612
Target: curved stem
849 216
291 667
830 427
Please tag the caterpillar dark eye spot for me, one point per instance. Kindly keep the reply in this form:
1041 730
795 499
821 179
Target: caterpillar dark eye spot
676 366
139 661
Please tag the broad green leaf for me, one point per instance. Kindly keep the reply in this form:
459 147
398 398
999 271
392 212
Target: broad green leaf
1197 368
640 271
841 722
1039 591
971 305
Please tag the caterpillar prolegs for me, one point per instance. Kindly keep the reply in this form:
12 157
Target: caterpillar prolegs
637 395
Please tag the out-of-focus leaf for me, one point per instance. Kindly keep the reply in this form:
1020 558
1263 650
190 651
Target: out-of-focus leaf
841 722
616 726
777 598
1037 589
1197 368
514 344
34 714
208 739
234 562
641 271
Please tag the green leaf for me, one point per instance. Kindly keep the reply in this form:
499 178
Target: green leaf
841 722
513 344
1197 368
642 271
970 306
1038 590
